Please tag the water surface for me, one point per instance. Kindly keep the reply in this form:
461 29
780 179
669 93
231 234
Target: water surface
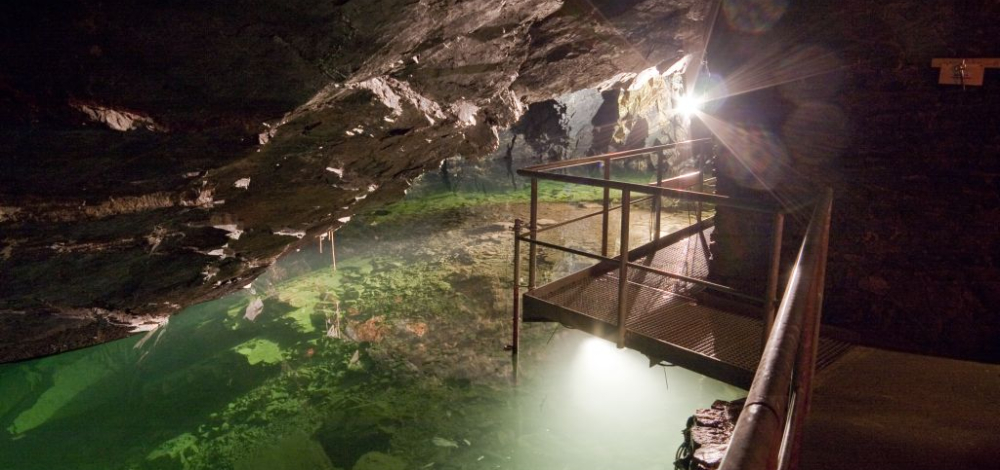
395 360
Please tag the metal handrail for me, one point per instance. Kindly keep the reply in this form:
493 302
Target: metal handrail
587 216
543 171
682 194
677 187
768 433
609 156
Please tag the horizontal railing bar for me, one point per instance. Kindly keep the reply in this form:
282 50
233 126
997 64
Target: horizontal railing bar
577 219
664 291
692 174
798 206
642 188
645 250
567 249
719 287
609 156
674 181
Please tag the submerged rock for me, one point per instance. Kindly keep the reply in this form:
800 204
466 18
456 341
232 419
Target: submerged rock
379 461
255 308
295 452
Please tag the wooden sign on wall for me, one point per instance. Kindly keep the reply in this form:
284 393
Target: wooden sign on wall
964 72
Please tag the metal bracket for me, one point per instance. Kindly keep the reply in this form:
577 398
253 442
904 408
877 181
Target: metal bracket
963 72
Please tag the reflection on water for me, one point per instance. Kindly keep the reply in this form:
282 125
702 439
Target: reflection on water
393 361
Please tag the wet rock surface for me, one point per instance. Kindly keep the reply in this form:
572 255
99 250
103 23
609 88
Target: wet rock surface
155 156
707 436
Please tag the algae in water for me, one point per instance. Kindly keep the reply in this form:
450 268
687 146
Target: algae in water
260 350
71 380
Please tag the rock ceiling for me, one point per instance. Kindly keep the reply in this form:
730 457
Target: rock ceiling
158 154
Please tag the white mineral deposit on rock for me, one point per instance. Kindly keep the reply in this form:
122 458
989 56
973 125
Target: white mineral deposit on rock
287 232
254 309
233 230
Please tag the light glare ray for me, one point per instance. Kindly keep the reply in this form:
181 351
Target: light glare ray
771 71
713 17
735 138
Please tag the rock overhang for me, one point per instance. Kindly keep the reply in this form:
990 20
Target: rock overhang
138 139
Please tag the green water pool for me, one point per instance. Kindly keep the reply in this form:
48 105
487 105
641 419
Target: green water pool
393 361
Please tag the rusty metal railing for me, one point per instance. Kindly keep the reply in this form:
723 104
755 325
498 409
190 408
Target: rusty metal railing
769 431
678 188
768 434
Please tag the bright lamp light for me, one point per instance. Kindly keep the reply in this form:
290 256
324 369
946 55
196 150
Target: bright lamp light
688 104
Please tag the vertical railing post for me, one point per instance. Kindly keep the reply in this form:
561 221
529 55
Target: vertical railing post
701 189
658 197
517 288
623 269
533 228
771 294
607 208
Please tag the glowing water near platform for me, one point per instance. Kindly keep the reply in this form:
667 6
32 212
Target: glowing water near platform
393 361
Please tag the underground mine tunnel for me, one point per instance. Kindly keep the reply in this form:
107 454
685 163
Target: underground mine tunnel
481 234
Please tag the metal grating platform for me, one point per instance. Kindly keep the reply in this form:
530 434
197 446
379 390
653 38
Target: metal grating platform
667 318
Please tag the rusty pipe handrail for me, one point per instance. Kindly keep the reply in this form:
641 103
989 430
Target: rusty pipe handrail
779 396
542 171
678 182
681 194
608 156
694 280
674 182
592 214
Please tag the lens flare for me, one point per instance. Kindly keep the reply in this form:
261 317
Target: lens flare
761 159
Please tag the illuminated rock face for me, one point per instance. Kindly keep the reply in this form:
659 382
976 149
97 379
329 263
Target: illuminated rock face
154 156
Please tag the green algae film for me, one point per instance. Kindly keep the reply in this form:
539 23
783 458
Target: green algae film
394 361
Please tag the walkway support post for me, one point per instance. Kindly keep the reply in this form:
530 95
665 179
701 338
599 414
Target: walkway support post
777 230
516 320
658 198
605 220
533 229
701 189
623 268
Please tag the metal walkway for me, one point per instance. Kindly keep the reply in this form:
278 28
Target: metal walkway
668 319
659 298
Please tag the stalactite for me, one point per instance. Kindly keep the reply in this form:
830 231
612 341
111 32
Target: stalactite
333 251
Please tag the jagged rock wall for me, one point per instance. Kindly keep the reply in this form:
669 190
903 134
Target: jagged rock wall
157 154
630 111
